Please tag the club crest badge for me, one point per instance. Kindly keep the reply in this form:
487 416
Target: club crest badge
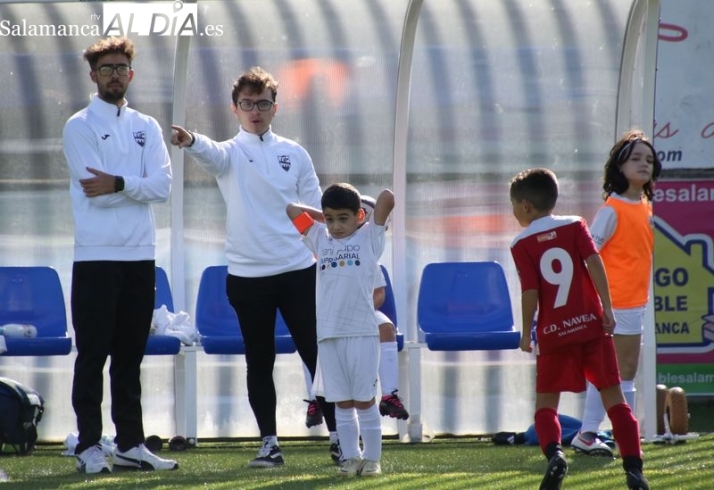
140 137
284 161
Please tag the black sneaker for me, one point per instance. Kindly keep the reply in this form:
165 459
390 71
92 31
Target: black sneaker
269 456
336 452
392 406
636 480
557 468
314 414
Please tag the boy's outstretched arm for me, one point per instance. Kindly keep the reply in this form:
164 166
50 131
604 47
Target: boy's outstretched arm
384 206
599 277
295 213
295 210
529 304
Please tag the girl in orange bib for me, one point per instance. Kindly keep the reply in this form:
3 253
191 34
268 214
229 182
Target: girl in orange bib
622 231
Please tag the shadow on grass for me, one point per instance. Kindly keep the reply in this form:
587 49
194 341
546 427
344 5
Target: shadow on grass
458 464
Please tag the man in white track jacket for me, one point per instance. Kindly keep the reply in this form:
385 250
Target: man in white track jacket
118 165
269 269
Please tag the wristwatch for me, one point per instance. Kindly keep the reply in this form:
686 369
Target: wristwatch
118 183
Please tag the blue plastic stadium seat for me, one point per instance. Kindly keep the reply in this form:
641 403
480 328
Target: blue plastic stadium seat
216 319
163 291
466 306
34 296
389 307
162 345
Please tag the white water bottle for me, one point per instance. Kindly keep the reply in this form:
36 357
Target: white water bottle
18 330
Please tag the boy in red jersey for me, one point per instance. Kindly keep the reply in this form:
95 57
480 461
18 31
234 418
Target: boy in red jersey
563 278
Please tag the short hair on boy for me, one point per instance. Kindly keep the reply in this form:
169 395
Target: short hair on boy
110 45
341 196
254 81
539 186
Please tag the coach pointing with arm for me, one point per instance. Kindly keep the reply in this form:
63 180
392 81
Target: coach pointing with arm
269 269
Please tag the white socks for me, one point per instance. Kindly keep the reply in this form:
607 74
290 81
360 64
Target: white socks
308 382
630 392
594 412
388 367
353 422
370 425
348 432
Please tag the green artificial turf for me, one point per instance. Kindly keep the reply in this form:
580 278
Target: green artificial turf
449 463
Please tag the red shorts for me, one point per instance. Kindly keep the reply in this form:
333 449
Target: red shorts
567 368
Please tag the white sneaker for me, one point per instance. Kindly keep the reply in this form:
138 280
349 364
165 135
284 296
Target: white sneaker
92 460
140 458
351 467
371 468
591 445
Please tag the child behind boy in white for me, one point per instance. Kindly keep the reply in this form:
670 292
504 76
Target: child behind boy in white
347 334
390 405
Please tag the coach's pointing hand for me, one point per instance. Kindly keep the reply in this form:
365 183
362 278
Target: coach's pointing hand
181 137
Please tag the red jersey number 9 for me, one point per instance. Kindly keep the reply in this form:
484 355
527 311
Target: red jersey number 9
562 277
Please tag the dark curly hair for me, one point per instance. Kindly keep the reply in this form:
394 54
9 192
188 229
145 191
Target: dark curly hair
110 45
614 180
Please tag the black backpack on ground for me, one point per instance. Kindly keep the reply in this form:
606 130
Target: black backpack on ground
21 410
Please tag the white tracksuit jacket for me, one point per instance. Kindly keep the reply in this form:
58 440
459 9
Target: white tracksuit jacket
122 142
258 176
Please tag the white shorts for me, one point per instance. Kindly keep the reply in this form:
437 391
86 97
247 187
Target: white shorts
382 318
347 369
630 321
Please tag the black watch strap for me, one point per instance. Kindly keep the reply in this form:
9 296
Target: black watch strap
118 183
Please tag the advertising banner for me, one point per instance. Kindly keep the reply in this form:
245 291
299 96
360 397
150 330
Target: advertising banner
684 284
684 208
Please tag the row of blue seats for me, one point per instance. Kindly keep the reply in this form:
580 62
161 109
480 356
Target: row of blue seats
461 306
217 324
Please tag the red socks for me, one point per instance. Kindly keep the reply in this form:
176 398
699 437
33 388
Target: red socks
625 429
547 427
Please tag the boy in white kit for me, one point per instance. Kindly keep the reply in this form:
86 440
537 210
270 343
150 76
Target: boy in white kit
390 404
347 334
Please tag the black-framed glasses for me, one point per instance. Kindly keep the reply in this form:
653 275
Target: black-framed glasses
122 70
263 104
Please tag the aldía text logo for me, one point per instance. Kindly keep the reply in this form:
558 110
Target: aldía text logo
150 19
